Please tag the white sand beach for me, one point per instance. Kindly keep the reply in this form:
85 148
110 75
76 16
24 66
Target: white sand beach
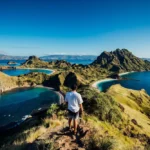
120 74
95 84
101 81
53 71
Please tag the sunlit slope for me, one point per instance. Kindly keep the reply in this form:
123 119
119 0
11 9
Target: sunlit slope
7 82
136 105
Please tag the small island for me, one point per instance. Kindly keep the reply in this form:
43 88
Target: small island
12 63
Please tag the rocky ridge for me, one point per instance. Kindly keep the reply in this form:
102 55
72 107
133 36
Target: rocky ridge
121 61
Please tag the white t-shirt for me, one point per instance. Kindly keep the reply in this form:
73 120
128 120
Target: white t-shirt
74 99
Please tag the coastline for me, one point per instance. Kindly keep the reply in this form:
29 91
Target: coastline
121 74
61 98
95 84
53 71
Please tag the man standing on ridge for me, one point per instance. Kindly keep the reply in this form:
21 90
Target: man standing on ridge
74 101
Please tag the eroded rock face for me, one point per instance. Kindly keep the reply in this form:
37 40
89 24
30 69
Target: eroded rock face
56 81
72 79
60 64
121 60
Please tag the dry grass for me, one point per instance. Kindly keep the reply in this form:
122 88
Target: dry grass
52 123
34 135
29 136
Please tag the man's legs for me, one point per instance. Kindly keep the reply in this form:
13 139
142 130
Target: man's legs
75 121
69 122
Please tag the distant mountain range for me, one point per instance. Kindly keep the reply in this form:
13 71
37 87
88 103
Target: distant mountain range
71 57
8 57
55 57
51 57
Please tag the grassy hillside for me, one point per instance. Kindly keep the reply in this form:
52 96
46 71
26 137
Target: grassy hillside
7 82
136 105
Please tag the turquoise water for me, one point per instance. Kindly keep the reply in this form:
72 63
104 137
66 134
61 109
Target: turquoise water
18 72
20 102
141 81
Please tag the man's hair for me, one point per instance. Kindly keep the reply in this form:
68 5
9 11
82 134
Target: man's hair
74 87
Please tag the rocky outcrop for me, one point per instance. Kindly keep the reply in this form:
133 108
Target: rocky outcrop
34 62
60 64
121 61
72 79
56 81
11 63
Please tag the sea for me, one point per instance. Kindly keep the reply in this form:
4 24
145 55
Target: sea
136 81
18 103
72 61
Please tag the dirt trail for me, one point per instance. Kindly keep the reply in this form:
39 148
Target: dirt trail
64 139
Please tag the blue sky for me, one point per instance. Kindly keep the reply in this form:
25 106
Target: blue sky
43 27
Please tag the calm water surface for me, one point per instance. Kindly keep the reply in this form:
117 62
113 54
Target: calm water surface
20 102
18 72
141 81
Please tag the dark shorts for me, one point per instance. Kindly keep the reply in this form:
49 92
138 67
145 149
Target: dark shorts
73 115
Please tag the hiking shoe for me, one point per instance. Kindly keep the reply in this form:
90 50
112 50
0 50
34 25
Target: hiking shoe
67 129
74 136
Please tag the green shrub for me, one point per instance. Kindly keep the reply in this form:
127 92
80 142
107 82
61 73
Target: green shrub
147 147
45 145
101 105
106 144
114 115
53 109
99 143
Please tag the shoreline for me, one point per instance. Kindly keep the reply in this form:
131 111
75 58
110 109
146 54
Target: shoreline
95 84
18 67
61 99
53 71
121 74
